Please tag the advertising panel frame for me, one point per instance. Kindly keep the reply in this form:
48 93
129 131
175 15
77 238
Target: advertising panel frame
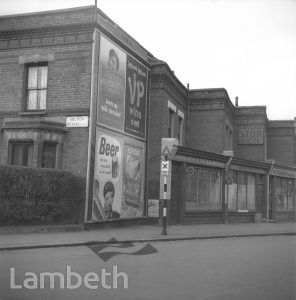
95 125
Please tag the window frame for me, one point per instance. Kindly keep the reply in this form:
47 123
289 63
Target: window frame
11 149
55 144
28 66
244 183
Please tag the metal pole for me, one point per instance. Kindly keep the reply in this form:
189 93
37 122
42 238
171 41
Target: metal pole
164 213
226 205
267 192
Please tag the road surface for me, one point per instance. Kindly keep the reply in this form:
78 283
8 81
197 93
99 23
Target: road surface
232 268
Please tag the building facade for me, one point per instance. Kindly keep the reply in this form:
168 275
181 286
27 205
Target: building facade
78 93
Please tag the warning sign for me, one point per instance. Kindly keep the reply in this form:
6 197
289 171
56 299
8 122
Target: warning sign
165 166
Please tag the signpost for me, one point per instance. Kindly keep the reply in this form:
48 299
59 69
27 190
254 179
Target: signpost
168 150
165 189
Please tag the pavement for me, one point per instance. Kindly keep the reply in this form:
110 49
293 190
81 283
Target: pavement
76 236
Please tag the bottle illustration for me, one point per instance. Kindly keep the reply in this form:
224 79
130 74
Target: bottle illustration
115 166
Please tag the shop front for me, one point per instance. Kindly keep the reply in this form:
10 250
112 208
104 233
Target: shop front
212 188
282 194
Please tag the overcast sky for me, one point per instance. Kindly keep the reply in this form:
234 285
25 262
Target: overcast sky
247 47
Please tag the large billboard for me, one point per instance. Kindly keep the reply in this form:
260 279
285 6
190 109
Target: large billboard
117 144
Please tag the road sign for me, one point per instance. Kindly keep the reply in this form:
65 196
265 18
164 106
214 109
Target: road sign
165 166
169 146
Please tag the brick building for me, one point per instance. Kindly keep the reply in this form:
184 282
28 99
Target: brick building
78 93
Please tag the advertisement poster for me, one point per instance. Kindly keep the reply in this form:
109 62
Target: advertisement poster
107 187
135 98
111 85
133 178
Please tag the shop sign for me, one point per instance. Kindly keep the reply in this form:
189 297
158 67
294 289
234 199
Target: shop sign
283 173
199 161
250 135
77 121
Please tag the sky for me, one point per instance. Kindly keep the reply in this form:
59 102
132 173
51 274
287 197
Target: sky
247 47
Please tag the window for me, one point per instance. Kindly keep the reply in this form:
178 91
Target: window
172 110
171 123
284 194
241 193
36 92
181 122
21 153
228 143
49 155
203 189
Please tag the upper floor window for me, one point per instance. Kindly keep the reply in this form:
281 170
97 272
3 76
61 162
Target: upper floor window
171 123
181 122
172 109
36 90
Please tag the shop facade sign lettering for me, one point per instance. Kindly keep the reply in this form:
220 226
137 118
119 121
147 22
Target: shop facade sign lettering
283 173
250 135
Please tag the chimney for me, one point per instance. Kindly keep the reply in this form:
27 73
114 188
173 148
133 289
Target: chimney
236 101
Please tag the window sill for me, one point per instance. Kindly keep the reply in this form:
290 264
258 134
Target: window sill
30 113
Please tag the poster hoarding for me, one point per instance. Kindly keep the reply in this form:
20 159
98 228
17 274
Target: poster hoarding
116 167
111 84
135 98
118 189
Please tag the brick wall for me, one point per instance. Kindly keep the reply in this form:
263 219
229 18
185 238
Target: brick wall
69 76
250 122
281 141
75 151
207 130
164 87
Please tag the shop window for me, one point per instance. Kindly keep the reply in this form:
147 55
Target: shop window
232 193
36 87
251 192
49 150
284 194
21 153
202 189
241 193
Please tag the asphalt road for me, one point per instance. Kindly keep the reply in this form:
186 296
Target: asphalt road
233 268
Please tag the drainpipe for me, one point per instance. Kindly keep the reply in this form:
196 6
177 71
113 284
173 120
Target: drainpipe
187 118
267 190
227 166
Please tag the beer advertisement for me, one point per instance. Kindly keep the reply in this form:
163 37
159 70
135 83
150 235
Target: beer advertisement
135 98
107 187
111 85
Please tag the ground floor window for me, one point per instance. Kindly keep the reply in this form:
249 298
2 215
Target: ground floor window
203 189
49 150
284 194
241 193
21 153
